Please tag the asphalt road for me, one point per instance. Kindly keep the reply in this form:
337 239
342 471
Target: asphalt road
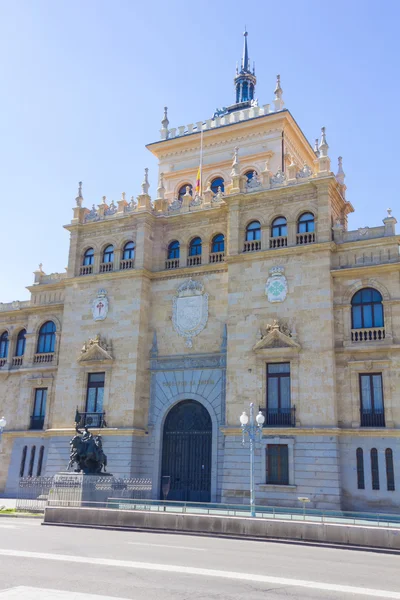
59 563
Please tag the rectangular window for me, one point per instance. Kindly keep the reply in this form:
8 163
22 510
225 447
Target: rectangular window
371 392
277 464
95 393
279 410
39 408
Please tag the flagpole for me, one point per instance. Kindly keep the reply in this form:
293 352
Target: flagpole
201 160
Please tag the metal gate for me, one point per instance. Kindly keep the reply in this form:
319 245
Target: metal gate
186 457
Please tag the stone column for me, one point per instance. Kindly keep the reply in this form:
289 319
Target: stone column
232 241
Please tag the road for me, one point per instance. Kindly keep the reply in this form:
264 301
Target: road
60 563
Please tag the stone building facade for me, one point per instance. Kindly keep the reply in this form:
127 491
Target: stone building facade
176 312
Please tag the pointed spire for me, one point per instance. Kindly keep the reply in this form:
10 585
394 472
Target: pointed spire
340 175
278 101
79 198
323 146
245 58
145 182
316 147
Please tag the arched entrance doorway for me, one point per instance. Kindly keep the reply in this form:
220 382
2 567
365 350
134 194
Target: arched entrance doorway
186 453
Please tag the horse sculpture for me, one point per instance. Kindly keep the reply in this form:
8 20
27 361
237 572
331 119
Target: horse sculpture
86 451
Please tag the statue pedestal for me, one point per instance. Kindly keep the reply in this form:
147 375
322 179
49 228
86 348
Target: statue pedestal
79 489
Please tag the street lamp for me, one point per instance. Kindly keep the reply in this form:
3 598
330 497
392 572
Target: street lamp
253 430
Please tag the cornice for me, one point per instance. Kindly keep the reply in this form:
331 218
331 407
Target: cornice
362 243
278 252
198 270
69 432
352 272
34 308
316 431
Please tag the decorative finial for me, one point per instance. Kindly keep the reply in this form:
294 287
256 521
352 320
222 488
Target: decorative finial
389 212
161 189
340 175
316 147
323 146
103 200
278 101
123 196
235 162
245 57
165 121
79 197
145 183
40 267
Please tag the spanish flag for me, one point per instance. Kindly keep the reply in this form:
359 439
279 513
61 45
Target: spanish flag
198 181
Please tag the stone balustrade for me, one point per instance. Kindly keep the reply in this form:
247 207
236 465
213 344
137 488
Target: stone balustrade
305 238
106 267
86 270
17 361
127 263
15 305
252 246
194 260
371 334
172 263
278 242
43 357
2 362
217 257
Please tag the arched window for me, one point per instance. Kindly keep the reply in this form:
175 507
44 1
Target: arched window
47 338
88 257
173 249
279 227
4 345
389 469
367 309
40 462
129 251
20 347
253 231
182 190
374 469
218 243
250 174
195 247
216 183
306 223
108 254
360 469
23 460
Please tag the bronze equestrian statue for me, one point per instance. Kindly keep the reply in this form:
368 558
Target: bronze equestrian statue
86 451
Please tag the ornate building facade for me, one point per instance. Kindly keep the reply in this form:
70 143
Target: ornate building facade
176 312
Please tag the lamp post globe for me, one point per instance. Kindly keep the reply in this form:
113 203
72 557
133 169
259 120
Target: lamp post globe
260 419
244 419
3 423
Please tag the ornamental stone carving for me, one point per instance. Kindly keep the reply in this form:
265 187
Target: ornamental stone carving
190 310
100 306
304 172
96 349
276 287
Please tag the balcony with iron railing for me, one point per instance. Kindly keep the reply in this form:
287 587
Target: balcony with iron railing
279 417
90 419
172 263
370 334
372 417
37 422
278 242
252 246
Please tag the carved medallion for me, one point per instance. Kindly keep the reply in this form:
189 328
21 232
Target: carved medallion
190 310
100 306
276 288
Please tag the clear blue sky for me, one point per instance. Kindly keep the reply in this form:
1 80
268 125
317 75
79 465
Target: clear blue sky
84 84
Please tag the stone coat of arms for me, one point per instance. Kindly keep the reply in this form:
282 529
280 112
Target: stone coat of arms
100 306
190 310
276 288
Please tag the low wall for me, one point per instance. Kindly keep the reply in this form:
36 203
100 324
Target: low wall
377 537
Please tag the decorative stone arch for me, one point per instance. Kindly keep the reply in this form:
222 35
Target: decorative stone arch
278 215
44 320
364 283
255 217
158 437
248 168
215 175
110 241
84 250
174 239
125 241
212 236
13 336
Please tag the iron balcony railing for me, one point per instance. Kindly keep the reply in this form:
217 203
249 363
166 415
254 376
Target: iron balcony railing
90 419
37 422
279 417
372 418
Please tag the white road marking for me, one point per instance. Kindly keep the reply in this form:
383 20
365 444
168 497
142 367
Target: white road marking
252 578
30 593
4 526
170 546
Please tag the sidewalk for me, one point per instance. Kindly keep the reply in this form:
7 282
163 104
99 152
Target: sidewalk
7 503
